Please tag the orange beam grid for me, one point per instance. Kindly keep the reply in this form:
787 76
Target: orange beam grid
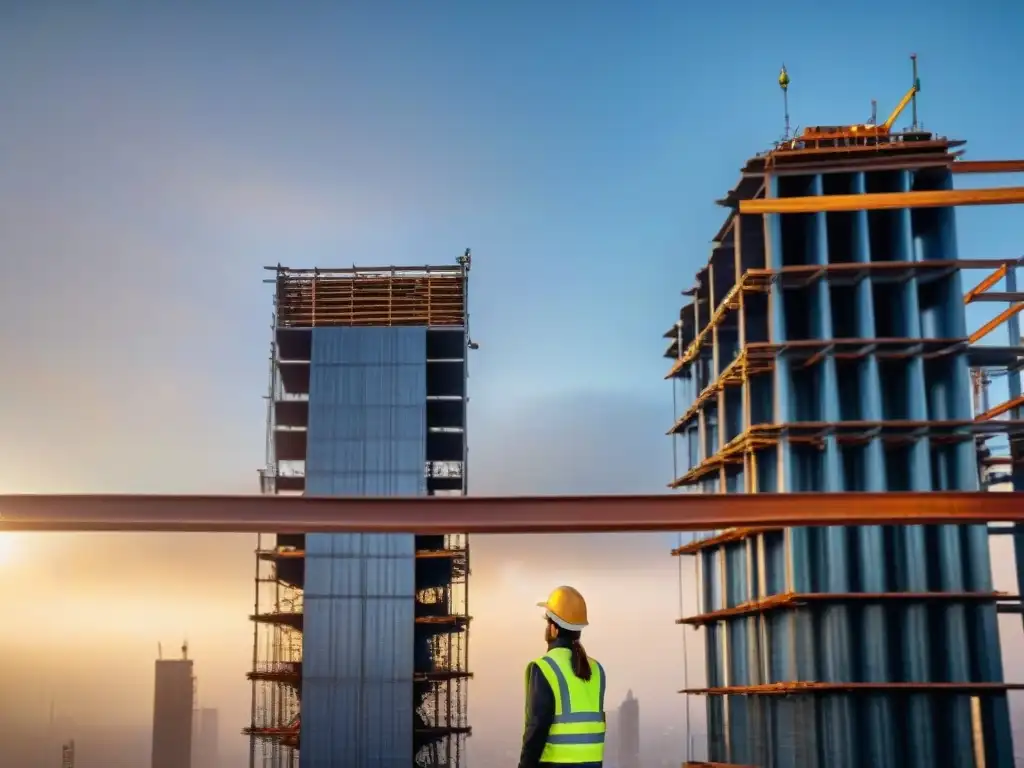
718 539
857 269
884 201
762 436
728 303
796 600
850 273
988 166
501 514
795 276
736 368
783 689
759 358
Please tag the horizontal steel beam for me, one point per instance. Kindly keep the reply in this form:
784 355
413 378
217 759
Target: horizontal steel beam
988 166
999 296
855 164
522 514
884 200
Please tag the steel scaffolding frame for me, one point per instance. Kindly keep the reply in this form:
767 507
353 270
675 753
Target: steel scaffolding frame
748 605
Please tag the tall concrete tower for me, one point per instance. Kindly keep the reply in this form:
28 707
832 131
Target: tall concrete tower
172 713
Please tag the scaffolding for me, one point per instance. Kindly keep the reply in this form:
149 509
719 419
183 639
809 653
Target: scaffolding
437 299
393 296
999 462
821 349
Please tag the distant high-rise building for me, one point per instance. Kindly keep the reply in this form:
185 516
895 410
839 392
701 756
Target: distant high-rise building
629 732
172 714
205 739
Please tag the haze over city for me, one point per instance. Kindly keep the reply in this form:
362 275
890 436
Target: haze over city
157 158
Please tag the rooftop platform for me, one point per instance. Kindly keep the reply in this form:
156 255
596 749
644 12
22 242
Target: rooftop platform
393 296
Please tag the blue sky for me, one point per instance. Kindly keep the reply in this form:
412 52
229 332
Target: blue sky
157 155
577 148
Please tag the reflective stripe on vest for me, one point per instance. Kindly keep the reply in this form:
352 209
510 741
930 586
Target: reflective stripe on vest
577 732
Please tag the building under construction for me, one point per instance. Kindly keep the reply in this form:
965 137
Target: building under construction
360 651
825 347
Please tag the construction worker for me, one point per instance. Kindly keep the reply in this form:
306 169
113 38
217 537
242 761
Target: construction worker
565 722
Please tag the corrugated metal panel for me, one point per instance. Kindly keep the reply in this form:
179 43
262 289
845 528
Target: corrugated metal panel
367 437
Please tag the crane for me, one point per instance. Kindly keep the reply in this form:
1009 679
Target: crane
846 134
909 96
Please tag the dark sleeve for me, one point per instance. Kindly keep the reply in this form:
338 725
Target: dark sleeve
540 714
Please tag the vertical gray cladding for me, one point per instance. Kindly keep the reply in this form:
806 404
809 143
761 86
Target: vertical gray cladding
367 437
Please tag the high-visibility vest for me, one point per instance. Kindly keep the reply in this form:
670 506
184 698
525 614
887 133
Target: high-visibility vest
577 733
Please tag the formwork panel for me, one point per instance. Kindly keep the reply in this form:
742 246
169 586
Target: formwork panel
838 362
367 436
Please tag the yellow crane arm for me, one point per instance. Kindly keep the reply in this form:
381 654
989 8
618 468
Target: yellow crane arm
887 125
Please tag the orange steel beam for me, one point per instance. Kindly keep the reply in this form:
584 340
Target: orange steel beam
515 514
725 537
995 322
885 200
1002 408
985 284
988 166
796 600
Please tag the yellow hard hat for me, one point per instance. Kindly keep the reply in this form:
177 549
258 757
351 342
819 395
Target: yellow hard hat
566 607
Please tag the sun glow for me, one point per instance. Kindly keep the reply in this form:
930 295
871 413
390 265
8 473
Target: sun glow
10 543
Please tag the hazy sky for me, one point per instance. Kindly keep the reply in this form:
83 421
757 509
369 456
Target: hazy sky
155 157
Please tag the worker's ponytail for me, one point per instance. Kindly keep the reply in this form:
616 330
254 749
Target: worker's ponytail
580 662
